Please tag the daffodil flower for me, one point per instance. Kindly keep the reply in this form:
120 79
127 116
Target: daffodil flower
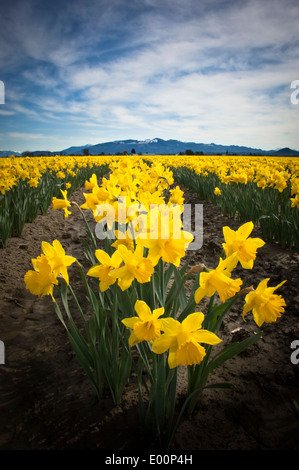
57 259
165 239
219 280
295 201
62 203
135 266
100 195
182 340
265 305
238 241
33 182
41 281
123 239
146 326
177 196
92 183
102 271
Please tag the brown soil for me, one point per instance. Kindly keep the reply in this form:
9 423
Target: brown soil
47 402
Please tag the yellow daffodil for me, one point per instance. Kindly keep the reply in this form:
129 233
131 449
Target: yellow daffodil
60 175
218 280
295 201
181 339
135 266
41 281
238 242
92 200
217 191
101 195
123 238
102 271
148 198
62 203
265 305
57 258
105 213
33 182
146 326
165 239
177 196
92 183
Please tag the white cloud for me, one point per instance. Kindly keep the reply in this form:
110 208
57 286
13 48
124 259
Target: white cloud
26 135
4 112
220 73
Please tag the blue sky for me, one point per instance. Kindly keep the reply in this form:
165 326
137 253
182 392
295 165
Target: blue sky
85 72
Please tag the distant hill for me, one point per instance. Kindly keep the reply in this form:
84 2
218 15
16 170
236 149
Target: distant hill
76 150
173 147
286 152
8 153
160 147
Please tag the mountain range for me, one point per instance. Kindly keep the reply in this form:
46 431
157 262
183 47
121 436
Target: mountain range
158 147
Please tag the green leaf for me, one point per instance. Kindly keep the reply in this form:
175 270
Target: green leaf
224 385
89 254
159 397
167 275
176 298
216 313
84 363
191 304
124 369
231 350
59 315
126 302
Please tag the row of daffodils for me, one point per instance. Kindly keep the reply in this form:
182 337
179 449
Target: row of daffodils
136 297
27 186
264 190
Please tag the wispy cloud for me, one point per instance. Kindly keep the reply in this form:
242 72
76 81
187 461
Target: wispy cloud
4 112
26 135
196 70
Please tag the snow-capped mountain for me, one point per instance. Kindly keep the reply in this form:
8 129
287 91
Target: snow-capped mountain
159 146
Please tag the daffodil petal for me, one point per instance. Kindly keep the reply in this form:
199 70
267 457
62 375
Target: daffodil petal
130 322
102 256
193 322
245 230
164 342
143 310
207 337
